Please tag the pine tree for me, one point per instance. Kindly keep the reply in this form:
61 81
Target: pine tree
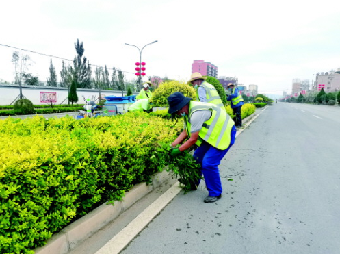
72 96
114 82
121 85
129 92
300 98
52 80
106 78
98 81
81 67
320 97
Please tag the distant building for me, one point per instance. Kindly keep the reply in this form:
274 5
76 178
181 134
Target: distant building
330 81
253 89
205 68
226 80
296 86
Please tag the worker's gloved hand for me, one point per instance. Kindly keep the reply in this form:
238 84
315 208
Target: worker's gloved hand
175 152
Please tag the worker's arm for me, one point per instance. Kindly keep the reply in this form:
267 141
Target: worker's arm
190 142
233 95
201 94
180 138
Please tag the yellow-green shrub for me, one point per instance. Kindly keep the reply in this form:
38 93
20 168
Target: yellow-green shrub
246 110
161 94
54 171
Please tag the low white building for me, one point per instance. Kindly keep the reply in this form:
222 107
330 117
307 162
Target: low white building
43 95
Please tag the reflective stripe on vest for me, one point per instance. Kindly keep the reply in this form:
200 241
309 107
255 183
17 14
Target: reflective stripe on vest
238 99
216 130
144 95
211 94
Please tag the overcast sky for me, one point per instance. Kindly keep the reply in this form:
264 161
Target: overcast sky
263 42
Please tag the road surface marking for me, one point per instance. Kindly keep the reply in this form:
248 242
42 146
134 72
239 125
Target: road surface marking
317 116
126 235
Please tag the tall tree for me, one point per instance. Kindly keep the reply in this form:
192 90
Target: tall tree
30 80
321 96
121 84
114 81
300 98
72 95
106 78
52 80
81 67
98 80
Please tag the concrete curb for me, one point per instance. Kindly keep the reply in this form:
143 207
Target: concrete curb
77 232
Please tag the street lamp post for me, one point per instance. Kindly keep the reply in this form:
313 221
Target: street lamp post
140 60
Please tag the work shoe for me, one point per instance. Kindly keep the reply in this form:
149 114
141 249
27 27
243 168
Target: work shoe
212 199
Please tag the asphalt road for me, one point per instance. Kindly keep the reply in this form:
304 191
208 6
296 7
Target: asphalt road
285 196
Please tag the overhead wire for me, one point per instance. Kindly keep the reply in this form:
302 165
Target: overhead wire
52 56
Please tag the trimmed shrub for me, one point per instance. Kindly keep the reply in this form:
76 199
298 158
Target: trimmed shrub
165 89
23 106
218 86
57 170
259 105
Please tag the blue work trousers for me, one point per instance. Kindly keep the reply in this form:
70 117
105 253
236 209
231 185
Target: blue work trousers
210 158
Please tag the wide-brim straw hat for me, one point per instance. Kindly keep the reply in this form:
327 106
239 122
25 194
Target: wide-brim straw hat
195 76
177 101
148 82
230 84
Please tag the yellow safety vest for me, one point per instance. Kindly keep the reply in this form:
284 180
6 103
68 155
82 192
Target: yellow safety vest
238 99
217 130
144 95
211 94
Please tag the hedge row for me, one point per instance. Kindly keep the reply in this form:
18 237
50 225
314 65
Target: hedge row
259 104
54 171
42 111
3 107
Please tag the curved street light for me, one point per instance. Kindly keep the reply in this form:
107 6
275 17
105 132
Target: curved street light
140 60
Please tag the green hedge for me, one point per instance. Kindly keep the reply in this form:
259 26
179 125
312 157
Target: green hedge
259 105
43 110
3 107
55 171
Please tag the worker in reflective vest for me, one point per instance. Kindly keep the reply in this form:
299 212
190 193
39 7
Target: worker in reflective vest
145 93
236 103
212 129
205 92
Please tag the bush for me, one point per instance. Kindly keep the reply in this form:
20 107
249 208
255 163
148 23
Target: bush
259 99
23 106
165 89
129 92
247 110
57 170
259 105
216 83
6 107
7 113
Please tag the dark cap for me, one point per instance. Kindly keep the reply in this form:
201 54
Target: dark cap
177 101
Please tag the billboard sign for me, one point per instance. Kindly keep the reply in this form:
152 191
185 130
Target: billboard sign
48 97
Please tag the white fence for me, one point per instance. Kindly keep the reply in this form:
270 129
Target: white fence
9 93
